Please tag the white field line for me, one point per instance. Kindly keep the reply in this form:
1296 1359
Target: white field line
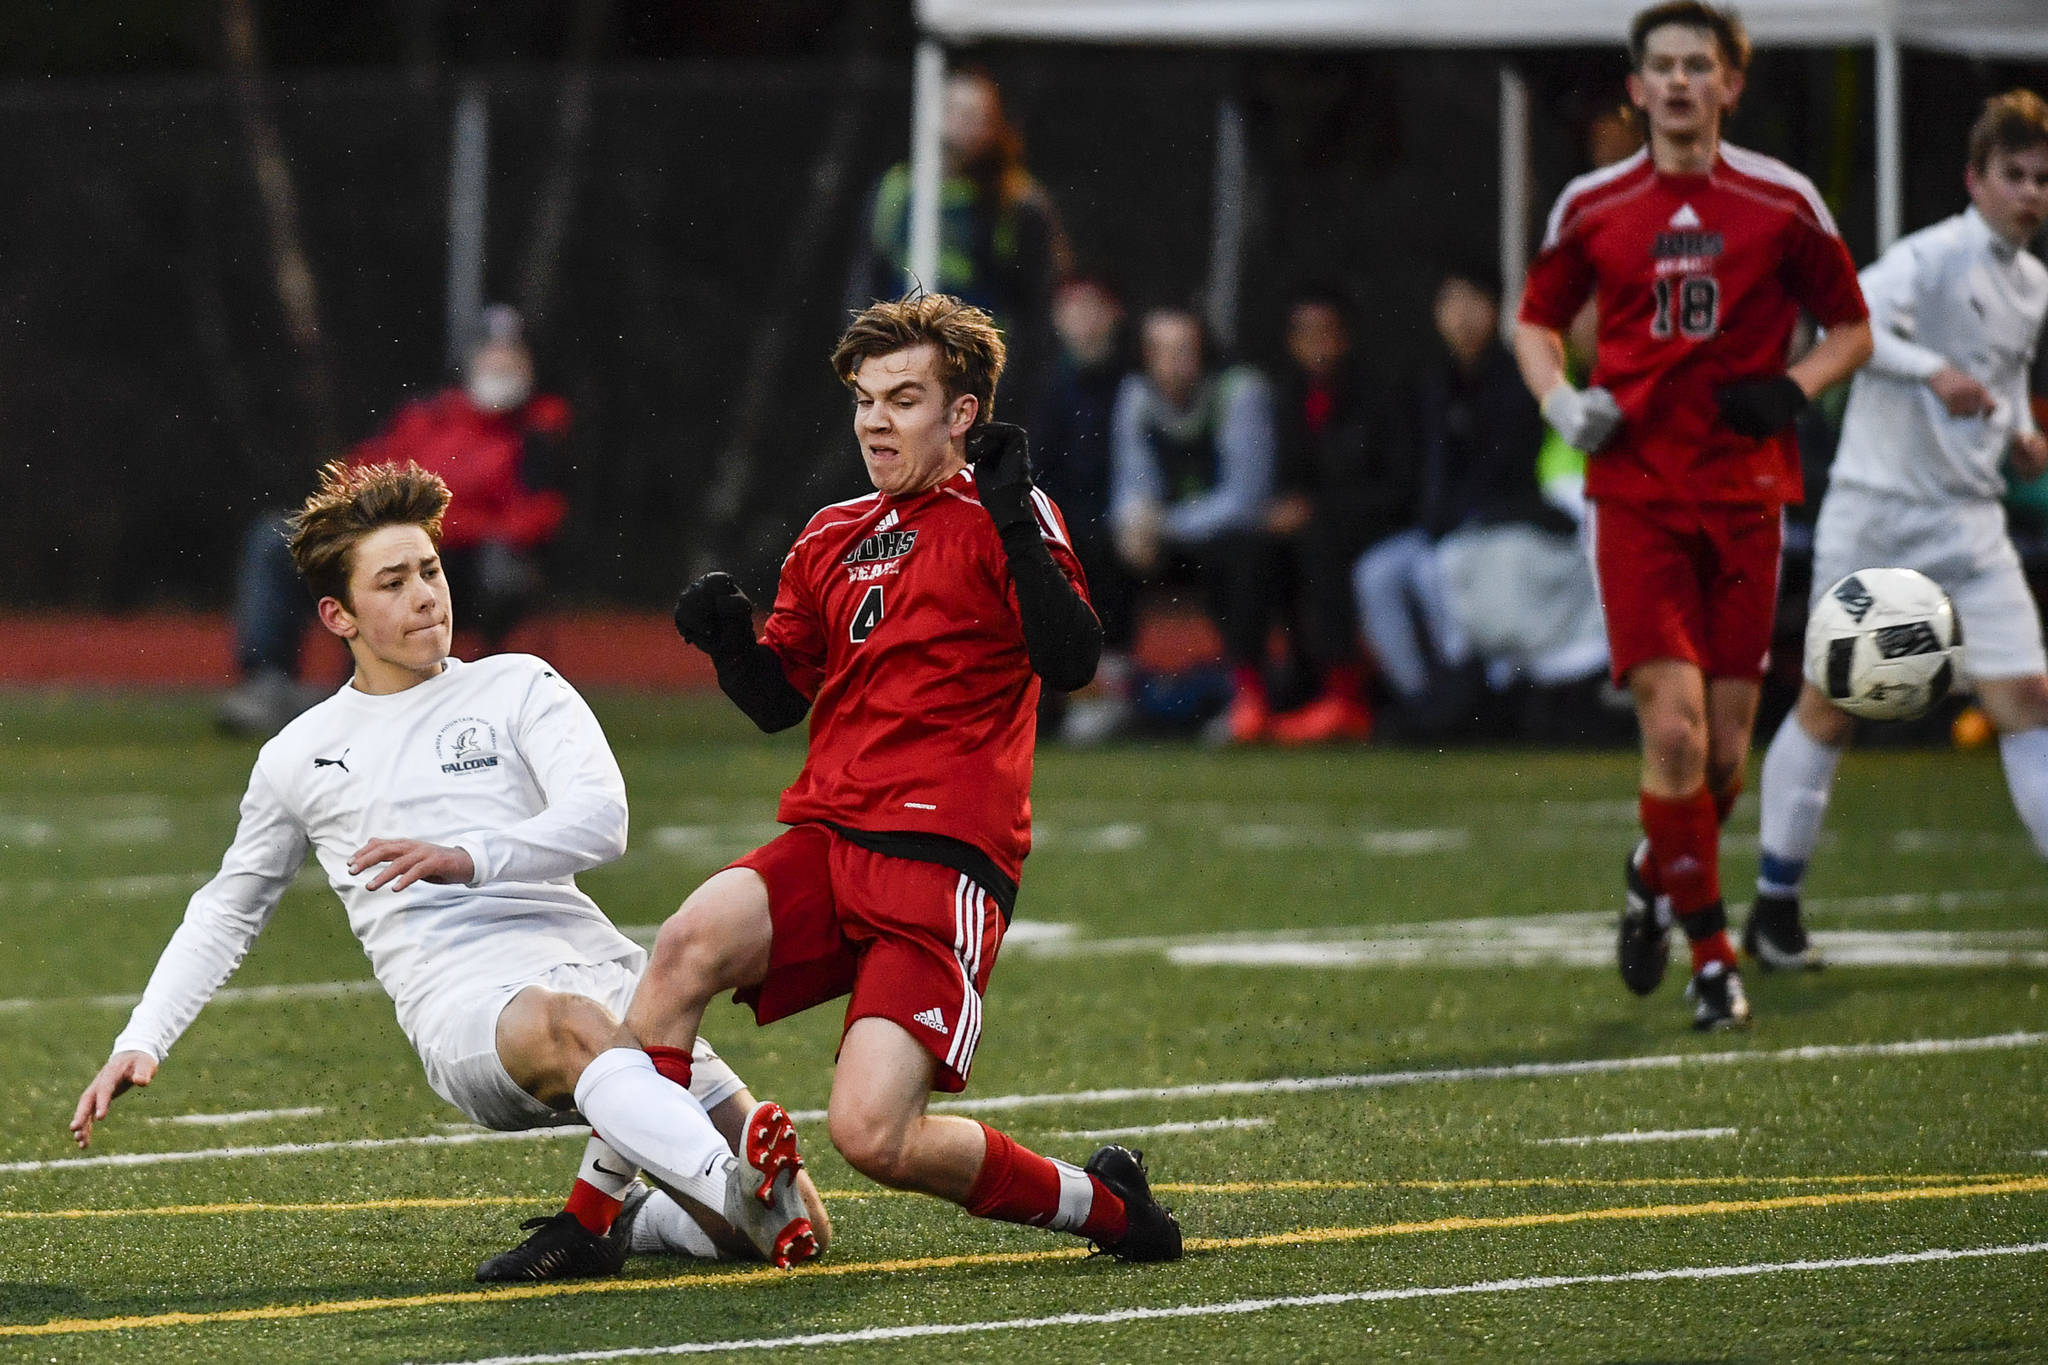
1579 940
232 995
304 1111
1142 1129
1285 1085
68 1163
1653 1135
136 887
1517 1071
33 832
1242 1306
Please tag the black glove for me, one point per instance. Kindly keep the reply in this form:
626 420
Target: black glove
1761 407
1002 473
714 615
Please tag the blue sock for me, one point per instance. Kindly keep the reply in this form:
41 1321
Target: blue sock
1777 876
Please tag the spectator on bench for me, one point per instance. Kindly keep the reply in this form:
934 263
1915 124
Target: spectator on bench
1192 450
498 447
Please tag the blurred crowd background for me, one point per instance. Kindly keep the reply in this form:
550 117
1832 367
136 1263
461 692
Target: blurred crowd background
229 257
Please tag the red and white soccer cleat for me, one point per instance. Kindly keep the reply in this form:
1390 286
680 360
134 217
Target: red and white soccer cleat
773 1214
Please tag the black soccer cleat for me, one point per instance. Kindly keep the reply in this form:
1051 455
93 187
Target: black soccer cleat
560 1248
1643 947
1151 1233
1718 1000
1775 939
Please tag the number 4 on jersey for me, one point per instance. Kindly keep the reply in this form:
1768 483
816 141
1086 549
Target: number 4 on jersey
867 615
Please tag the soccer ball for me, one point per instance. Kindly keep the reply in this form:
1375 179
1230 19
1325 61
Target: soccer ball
1884 644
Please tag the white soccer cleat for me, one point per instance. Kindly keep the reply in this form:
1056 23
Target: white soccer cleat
761 1198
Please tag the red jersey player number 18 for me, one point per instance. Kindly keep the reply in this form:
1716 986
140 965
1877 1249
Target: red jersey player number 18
1701 257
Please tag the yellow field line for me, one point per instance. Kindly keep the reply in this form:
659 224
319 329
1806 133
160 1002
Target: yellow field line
360 1206
486 1201
1304 1237
1562 1182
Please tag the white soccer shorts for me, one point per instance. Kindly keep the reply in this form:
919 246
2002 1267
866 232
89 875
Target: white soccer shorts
458 1045
1962 545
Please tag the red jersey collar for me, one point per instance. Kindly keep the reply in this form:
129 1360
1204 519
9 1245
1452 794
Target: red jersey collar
960 481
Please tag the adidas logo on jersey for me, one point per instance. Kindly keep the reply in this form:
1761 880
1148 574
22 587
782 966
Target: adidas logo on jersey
890 520
1685 217
931 1019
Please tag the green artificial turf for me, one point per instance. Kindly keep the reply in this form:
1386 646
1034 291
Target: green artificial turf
1190 919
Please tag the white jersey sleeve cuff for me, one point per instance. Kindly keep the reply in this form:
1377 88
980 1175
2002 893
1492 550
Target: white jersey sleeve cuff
146 1046
473 845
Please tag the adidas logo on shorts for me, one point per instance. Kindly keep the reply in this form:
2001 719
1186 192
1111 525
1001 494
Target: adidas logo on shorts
931 1018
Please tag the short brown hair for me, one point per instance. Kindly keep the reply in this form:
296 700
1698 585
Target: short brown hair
967 344
1729 34
350 503
2012 122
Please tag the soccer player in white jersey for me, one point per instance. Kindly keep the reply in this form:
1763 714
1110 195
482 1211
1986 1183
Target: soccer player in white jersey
450 806
1934 422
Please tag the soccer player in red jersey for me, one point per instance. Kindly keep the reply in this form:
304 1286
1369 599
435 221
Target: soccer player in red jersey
913 625
1700 256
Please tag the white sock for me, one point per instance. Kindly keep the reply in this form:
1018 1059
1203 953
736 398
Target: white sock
1798 777
604 1170
655 1124
1077 1197
2026 772
665 1228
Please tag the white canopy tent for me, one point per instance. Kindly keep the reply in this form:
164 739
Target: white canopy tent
1991 28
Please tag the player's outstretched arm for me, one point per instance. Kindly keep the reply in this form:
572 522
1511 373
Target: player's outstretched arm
123 1072
713 614
1061 633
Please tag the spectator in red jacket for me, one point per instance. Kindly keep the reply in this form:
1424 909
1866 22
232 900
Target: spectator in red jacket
498 446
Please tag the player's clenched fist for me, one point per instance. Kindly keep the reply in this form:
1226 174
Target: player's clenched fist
1002 472
715 616
1761 407
1584 417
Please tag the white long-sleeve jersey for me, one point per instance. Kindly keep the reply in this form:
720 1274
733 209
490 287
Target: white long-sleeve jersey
500 758
1954 294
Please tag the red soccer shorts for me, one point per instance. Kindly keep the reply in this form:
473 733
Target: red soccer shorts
1691 581
913 942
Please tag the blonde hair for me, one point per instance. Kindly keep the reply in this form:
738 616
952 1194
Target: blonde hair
967 344
350 503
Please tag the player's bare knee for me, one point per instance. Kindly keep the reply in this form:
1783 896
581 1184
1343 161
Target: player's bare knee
872 1145
1823 721
579 1029
1676 739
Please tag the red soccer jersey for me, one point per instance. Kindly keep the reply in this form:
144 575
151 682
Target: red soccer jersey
897 618
1699 279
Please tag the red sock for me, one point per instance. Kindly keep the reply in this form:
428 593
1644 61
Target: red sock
1017 1185
672 1062
1714 946
1685 848
1646 868
1725 798
1247 681
1685 852
592 1207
